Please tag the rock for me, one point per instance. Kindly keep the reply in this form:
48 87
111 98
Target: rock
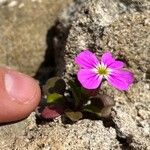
13 132
123 37
101 25
23 28
105 25
2 2
84 134
88 28
12 4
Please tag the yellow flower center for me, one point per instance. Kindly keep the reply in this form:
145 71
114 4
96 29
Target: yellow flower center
102 71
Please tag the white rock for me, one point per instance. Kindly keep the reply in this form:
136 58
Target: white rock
12 4
21 5
2 1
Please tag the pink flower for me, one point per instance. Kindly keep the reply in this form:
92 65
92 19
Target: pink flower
93 70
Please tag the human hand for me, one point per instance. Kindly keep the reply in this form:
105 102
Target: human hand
19 95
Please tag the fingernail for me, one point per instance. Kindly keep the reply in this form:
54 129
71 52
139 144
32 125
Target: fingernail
20 87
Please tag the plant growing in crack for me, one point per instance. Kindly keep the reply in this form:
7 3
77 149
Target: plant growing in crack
83 98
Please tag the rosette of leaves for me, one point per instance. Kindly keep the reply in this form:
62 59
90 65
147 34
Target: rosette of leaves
80 103
88 102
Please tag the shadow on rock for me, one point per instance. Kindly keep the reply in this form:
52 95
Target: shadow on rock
54 57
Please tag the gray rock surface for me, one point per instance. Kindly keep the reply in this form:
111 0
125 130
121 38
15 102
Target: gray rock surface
10 134
23 30
122 27
89 27
85 134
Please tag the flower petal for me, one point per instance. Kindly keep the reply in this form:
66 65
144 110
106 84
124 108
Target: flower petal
107 58
89 79
116 65
121 79
86 60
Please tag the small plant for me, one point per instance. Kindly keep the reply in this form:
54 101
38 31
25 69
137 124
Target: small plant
83 98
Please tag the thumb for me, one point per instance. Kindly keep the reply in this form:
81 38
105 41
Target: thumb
19 95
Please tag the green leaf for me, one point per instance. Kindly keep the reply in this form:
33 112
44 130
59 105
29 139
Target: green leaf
55 98
76 91
92 109
54 85
74 115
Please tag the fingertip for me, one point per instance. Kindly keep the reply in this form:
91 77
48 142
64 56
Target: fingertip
19 95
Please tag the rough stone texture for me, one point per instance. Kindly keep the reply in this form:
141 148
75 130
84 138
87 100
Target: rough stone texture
80 136
88 28
23 30
9 134
132 109
122 27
